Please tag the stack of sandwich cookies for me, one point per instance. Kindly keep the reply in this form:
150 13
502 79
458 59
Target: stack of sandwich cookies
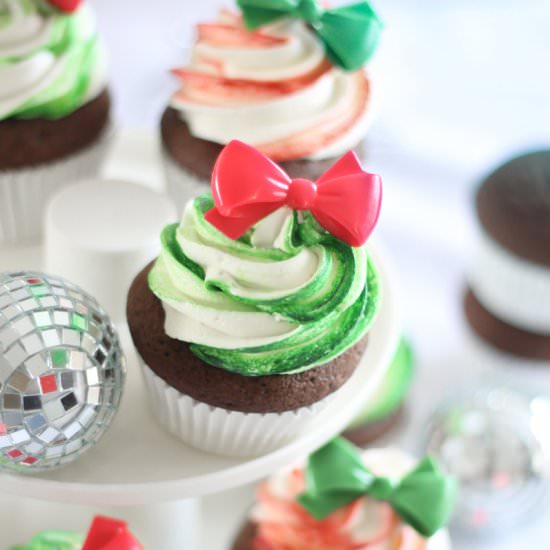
345 500
384 411
54 107
258 308
287 78
508 301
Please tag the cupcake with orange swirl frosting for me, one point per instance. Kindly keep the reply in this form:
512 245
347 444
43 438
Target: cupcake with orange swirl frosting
339 502
286 77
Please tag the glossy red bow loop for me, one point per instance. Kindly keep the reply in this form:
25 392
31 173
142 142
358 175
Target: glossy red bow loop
67 6
110 534
247 187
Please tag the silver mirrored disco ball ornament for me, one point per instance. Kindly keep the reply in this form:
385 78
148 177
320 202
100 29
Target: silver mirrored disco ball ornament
61 371
496 442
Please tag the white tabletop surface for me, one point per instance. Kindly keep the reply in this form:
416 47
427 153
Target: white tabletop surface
466 84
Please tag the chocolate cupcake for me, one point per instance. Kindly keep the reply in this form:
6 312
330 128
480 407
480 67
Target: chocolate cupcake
104 533
385 411
292 84
337 502
54 108
246 326
508 300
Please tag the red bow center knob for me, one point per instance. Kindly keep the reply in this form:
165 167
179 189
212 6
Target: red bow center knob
301 194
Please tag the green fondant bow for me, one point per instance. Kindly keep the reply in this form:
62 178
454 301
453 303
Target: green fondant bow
336 476
350 33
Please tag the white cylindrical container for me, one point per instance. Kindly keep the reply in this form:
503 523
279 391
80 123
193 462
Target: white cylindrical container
100 233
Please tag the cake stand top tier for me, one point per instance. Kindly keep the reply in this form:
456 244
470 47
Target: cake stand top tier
137 463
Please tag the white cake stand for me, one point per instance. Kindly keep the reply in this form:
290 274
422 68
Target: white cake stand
143 470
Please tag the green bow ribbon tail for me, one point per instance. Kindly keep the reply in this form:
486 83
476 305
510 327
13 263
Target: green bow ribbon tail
350 33
336 476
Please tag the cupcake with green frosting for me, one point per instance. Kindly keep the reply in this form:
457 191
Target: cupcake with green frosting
53 540
104 534
54 107
250 319
383 412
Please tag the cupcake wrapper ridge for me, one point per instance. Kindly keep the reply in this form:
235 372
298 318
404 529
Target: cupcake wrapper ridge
221 431
24 193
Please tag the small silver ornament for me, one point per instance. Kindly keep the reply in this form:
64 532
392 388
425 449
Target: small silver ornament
496 442
61 371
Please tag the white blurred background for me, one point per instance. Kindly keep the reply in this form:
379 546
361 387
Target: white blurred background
465 84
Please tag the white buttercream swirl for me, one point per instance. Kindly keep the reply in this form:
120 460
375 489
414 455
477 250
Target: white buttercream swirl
228 324
34 68
26 31
325 117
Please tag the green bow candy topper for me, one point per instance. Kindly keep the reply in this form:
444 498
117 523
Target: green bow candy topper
350 33
336 476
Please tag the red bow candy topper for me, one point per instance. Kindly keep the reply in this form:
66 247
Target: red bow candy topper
67 6
110 534
247 187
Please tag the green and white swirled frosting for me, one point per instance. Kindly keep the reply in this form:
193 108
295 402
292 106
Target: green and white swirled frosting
285 297
53 540
51 63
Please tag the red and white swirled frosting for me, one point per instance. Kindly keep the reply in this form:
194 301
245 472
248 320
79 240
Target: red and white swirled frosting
365 524
272 88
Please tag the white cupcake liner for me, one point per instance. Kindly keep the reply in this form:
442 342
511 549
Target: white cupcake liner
221 431
24 193
181 185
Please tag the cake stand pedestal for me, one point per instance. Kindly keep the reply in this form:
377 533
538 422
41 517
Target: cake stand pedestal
139 472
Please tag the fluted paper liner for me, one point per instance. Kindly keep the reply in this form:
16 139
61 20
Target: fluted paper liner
221 431
24 193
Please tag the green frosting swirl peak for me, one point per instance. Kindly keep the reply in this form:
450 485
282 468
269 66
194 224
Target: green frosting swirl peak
50 61
393 389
